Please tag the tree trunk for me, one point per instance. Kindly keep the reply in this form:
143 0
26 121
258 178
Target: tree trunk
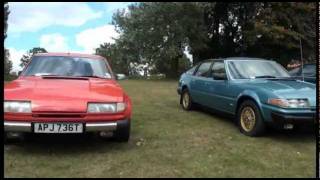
172 73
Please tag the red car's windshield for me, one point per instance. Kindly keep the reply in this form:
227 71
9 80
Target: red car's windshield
67 66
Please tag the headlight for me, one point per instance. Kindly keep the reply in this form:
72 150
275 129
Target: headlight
106 107
290 103
17 106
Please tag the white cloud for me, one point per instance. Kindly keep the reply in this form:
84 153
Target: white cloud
31 17
90 39
54 42
114 6
15 56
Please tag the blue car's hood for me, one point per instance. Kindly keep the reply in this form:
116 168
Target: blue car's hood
287 88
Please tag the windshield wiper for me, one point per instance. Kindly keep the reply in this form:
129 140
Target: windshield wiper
265 76
92 76
276 78
47 75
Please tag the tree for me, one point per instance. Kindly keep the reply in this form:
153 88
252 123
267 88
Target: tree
7 62
6 14
27 57
116 59
158 32
266 30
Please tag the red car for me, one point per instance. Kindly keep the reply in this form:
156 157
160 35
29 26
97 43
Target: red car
66 93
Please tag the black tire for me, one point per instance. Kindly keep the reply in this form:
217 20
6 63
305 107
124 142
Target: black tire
11 140
5 138
122 134
186 100
258 127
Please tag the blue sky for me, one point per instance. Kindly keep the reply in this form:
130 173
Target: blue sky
59 27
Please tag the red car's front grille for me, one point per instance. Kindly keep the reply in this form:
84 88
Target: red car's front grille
58 115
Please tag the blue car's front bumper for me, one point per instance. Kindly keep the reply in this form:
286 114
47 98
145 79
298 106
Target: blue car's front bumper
293 116
280 118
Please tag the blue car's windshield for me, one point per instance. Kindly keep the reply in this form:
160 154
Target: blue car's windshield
245 69
67 66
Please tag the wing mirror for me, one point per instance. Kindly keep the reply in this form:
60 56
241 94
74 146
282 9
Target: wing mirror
219 76
120 76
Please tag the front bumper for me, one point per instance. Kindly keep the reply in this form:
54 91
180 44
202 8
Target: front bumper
277 115
14 126
281 118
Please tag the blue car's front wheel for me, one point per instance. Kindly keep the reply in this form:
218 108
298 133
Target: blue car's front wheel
249 119
185 100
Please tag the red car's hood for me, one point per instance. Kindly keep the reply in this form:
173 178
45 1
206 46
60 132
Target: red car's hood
62 95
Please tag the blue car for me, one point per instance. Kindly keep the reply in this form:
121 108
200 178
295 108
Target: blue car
257 92
309 73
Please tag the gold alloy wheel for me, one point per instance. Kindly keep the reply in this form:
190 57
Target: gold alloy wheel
247 119
185 100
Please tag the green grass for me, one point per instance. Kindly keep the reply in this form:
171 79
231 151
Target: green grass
166 142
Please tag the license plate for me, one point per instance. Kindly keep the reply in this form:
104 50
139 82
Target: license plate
58 127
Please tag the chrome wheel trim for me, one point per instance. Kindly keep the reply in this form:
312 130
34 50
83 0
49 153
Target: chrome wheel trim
247 118
185 100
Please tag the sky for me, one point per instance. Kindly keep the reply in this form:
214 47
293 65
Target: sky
59 27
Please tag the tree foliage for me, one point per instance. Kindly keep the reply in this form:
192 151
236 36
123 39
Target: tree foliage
158 33
6 13
27 57
7 62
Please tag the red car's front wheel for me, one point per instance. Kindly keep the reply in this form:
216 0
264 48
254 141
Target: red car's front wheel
122 134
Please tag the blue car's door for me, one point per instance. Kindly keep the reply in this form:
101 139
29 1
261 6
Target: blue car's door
219 93
199 83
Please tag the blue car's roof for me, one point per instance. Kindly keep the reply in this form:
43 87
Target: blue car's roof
240 58
243 58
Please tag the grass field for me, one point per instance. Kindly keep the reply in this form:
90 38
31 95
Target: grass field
165 142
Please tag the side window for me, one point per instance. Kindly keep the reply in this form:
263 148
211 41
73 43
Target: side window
203 69
309 70
218 71
191 71
295 72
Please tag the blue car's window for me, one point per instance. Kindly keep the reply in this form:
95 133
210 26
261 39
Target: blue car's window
203 69
67 66
218 70
294 72
191 71
309 70
245 69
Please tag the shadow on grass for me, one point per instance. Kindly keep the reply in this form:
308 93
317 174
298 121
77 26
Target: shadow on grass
68 144
305 132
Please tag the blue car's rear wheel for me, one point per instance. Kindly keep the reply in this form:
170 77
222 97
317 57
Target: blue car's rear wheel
249 119
185 100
